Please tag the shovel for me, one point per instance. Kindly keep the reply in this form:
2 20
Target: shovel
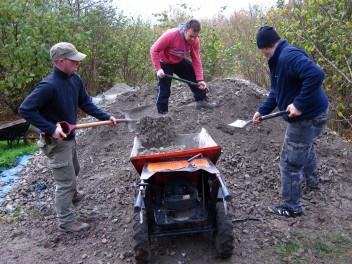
184 80
68 128
180 79
242 123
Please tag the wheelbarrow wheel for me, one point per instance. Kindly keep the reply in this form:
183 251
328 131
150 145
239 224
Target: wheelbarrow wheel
32 135
224 236
141 239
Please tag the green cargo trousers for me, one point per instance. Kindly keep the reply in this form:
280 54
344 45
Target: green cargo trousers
65 167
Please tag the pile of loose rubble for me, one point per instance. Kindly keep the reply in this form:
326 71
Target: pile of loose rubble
156 131
249 163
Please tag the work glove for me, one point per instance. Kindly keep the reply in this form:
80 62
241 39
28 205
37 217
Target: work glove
160 73
202 85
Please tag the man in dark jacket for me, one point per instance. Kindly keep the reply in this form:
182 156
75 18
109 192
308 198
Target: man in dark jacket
296 86
57 98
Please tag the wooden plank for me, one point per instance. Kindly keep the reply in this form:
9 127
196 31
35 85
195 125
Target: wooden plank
13 123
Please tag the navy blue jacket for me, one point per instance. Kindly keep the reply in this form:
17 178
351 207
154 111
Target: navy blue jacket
57 98
295 78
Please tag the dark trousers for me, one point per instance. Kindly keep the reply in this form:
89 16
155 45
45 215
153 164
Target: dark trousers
298 159
184 70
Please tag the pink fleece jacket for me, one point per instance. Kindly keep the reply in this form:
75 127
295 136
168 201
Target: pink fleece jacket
171 48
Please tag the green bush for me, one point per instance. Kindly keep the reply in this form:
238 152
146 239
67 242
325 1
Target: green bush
324 29
118 46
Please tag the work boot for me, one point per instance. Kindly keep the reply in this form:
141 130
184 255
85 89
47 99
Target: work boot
205 104
78 196
74 227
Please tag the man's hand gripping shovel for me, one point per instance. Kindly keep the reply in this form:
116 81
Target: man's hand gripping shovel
243 123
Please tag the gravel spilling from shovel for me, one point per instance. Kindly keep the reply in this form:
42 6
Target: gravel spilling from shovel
156 131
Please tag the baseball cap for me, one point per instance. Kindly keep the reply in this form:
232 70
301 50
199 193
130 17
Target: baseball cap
65 50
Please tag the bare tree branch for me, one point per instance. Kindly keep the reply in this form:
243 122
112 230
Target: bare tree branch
345 119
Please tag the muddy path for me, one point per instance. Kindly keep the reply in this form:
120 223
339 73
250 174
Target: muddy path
249 162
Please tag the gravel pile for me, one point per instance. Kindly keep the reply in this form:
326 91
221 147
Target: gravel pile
249 163
156 131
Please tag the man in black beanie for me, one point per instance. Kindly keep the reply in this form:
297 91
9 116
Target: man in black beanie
267 37
296 86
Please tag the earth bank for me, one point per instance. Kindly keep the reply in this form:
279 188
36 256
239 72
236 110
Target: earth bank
249 162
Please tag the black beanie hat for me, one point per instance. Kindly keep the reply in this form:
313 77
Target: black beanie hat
266 37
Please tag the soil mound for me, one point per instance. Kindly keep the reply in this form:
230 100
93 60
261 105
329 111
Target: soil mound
249 162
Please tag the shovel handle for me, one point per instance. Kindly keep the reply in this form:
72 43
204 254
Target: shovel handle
103 123
280 113
94 124
69 128
180 79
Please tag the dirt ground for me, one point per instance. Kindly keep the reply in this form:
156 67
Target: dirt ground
249 162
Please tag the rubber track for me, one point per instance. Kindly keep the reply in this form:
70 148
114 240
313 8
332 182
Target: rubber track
224 236
141 243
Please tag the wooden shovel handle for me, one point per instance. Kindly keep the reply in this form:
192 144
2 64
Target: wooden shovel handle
69 128
103 123
94 124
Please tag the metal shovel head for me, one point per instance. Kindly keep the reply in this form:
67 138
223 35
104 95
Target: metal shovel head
240 123
243 123
137 114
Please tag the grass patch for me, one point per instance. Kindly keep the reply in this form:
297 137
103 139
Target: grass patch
291 251
288 248
331 247
10 217
9 154
16 213
33 213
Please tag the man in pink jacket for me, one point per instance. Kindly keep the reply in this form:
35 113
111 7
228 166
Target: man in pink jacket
169 55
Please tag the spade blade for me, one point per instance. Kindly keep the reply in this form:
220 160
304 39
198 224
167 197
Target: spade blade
240 123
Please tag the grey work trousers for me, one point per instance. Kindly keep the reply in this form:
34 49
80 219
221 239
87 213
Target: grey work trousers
65 167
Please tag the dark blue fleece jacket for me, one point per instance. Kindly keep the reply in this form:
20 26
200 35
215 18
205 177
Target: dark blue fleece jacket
296 79
57 98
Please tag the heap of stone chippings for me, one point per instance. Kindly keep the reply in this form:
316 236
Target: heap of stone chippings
171 148
156 132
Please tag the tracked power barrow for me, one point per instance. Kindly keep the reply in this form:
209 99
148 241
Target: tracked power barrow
180 193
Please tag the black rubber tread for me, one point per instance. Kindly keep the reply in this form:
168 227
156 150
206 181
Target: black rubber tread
224 235
141 239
